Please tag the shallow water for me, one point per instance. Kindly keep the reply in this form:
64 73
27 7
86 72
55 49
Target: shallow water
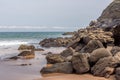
12 69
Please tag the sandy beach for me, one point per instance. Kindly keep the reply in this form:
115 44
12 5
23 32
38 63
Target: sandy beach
58 76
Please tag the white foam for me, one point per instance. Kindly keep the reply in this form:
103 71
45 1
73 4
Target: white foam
11 43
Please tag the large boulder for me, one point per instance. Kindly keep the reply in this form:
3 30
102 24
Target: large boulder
117 73
92 45
55 42
68 52
80 63
98 54
65 67
26 47
54 58
110 16
27 54
115 50
104 67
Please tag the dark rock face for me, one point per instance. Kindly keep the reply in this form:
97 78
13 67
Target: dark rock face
64 67
104 67
26 47
110 16
116 35
115 50
117 73
80 63
98 54
68 52
55 42
54 58
92 45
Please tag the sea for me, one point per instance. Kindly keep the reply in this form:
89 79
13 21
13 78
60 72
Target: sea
10 41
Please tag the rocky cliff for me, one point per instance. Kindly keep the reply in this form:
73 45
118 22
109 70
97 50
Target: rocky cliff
110 16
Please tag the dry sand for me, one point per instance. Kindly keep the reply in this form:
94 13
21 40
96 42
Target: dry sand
58 76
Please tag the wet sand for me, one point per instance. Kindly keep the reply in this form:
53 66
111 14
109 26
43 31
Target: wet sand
12 69
58 76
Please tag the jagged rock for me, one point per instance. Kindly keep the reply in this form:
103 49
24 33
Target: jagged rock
110 16
27 54
68 52
69 33
117 73
100 68
98 54
92 45
54 58
80 63
115 50
26 47
92 23
65 67
55 42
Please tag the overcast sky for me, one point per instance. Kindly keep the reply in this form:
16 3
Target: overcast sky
48 15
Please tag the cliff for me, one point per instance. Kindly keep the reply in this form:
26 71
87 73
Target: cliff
110 16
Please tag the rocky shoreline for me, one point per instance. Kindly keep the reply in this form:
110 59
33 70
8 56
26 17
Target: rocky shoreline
87 50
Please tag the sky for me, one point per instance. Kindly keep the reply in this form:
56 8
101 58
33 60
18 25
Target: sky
48 15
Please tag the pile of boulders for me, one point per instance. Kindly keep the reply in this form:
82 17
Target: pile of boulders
94 59
81 38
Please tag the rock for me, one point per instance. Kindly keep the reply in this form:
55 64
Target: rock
26 47
54 58
55 42
65 67
69 33
25 64
98 54
110 16
68 52
92 23
104 67
69 58
116 35
92 45
14 58
80 63
115 50
117 57
27 54
117 73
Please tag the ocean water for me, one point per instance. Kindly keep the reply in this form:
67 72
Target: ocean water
17 38
10 41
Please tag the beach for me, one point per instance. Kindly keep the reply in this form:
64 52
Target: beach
13 69
58 76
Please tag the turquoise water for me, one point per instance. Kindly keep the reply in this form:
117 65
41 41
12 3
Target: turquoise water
15 38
